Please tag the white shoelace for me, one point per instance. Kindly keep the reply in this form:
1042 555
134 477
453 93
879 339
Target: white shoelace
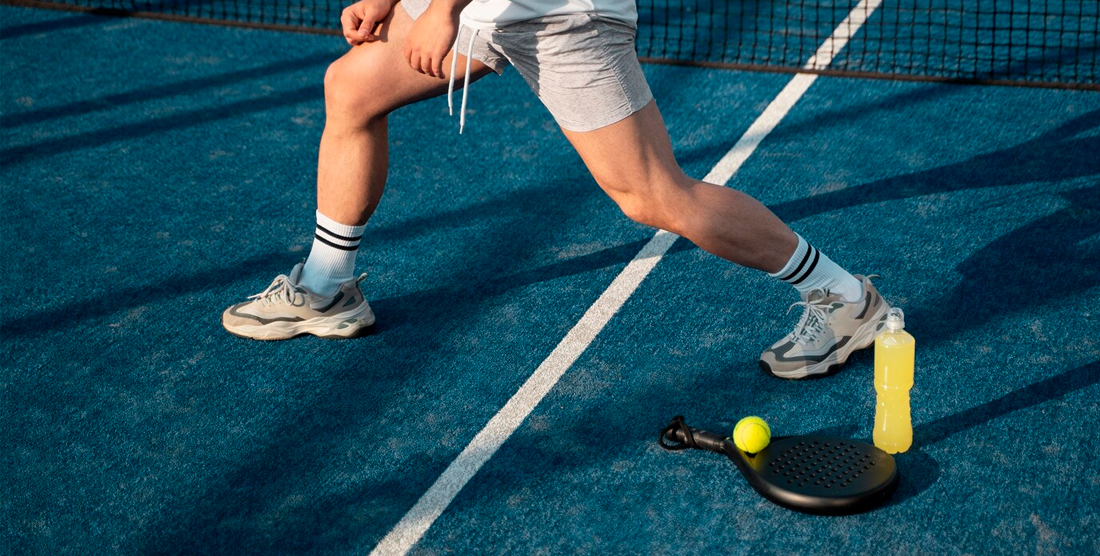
813 320
280 290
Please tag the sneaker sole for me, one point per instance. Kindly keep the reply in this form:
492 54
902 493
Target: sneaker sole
339 327
863 338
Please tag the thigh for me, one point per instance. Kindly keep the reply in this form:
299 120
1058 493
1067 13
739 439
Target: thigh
583 68
633 155
377 75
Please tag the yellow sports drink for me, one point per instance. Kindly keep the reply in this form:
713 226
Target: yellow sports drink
894 354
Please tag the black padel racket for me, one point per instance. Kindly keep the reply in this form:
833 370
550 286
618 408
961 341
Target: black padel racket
813 474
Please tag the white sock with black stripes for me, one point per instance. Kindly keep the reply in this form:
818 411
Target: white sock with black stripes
332 258
809 270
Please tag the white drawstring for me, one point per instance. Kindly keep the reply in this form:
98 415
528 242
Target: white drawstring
466 78
454 64
466 83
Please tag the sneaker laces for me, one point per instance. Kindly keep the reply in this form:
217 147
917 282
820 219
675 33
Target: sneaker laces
814 317
280 291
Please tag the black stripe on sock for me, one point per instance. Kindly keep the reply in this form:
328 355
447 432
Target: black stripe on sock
806 257
338 236
817 255
335 245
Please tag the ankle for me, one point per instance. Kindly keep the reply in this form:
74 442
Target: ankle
808 270
331 260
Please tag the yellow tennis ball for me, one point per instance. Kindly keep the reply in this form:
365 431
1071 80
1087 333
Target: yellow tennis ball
752 434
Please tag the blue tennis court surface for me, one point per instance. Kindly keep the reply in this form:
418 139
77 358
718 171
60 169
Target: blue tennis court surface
154 173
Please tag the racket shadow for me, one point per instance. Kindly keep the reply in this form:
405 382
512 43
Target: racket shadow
918 471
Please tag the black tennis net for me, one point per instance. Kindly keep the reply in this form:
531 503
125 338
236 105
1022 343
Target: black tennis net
1053 43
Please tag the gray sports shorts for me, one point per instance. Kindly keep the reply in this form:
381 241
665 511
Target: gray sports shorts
583 68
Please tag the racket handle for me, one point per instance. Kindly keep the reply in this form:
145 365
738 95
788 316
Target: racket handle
696 438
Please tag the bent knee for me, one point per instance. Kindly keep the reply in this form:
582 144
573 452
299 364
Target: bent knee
645 205
651 202
641 212
351 92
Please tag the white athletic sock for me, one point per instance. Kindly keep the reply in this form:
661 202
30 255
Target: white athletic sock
809 270
332 258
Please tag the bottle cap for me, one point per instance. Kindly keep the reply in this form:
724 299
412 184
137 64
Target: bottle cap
895 319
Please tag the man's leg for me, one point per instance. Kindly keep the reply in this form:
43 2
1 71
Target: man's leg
632 161
322 297
361 89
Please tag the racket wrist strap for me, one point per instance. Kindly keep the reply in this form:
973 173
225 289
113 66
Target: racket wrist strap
672 441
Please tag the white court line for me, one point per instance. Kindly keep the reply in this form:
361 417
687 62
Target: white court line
790 94
485 444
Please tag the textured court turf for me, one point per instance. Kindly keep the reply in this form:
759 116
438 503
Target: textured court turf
153 173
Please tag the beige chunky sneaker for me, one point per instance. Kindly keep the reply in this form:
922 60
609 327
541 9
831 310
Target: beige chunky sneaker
828 332
285 310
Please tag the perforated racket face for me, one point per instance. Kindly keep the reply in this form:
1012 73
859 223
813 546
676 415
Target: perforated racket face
822 473
812 474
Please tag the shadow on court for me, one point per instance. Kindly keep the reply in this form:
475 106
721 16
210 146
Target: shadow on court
50 147
1001 278
1059 154
69 315
920 471
64 23
1027 269
603 259
282 495
109 102
288 496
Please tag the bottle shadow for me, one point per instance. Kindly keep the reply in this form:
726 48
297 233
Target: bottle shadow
920 470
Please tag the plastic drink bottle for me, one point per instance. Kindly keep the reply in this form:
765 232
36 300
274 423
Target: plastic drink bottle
894 355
